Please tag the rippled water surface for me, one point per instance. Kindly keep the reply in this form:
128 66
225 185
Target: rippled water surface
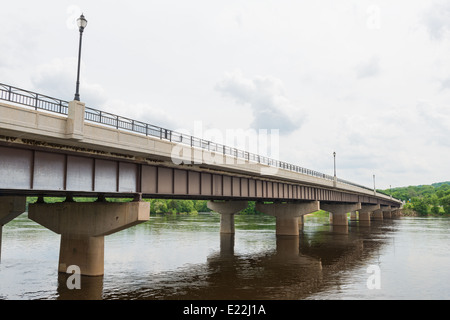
185 257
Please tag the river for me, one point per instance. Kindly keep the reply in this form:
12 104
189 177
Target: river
185 257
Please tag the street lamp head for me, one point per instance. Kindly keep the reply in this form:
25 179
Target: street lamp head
81 22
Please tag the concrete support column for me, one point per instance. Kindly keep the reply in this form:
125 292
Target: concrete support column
366 211
10 208
84 251
227 244
364 216
353 216
378 215
288 214
386 211
227 210
396 213
83 225
339 211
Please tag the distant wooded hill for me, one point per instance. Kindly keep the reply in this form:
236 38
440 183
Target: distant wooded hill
424 199
440 189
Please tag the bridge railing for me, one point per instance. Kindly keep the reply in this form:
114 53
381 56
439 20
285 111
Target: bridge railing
32 99
43 102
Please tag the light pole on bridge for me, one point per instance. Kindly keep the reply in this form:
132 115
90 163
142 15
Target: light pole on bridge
334 156
335 178
374 188
82 23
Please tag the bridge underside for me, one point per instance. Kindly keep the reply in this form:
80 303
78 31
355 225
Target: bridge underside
33 170
30 168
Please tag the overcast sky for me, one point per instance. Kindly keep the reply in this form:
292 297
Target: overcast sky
369 80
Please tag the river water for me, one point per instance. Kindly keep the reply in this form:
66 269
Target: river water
185 257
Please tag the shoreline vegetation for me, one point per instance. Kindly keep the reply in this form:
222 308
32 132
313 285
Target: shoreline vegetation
424 200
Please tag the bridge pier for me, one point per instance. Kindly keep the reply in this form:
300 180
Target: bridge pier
378 214
83 226
396 213
10 208
365 212
227 210
387 214
288 214
339 211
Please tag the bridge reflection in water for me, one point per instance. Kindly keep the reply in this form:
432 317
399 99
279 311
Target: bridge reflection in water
288 268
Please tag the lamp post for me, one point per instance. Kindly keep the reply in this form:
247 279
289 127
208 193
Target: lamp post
335 179
334 155
82 23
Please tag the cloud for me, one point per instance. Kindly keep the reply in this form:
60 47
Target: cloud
266 98
445 84
437 20
400 145
57 79
370 68
144 112
436 121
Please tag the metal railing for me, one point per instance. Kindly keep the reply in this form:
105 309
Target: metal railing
43 102
32 99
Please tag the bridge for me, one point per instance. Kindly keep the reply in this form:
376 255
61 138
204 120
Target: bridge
52 147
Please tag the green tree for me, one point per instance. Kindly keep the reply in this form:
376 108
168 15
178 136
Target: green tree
201 206
250 208
443 190
173 206
420 206
158 206
187 206
435 210
445 202
432 200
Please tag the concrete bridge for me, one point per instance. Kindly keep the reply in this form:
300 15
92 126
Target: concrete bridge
51 147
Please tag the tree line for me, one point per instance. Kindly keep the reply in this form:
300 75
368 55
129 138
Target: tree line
424 199
177 206
157 206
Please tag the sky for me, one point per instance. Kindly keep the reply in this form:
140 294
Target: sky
369 80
